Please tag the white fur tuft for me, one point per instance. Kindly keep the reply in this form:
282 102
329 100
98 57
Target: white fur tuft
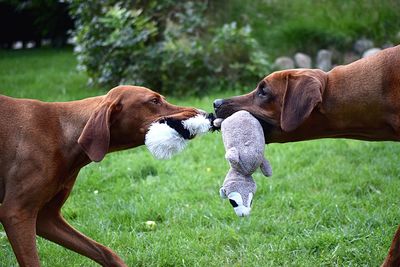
197 125
163 141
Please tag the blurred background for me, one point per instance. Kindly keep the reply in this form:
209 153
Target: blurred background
329 202
195 47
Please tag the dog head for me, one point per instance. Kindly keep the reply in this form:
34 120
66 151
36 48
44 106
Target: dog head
282 101
123 117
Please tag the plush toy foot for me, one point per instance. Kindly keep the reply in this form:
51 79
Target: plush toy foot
215 122
266 168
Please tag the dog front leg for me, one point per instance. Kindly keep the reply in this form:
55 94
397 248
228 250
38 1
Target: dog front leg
52 226
19 225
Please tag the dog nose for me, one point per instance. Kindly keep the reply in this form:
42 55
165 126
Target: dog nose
218 103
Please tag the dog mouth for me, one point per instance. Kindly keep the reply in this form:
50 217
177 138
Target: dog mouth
267 124
225 111
228 107
221 113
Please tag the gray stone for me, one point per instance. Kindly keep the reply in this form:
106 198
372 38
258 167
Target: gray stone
350 57
302 60
336 55
361 45
398 36
324 60
387 45
371 52
283 63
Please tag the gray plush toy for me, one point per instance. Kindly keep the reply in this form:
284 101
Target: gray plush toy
244 143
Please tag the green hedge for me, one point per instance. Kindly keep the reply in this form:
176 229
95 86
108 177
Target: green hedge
170 46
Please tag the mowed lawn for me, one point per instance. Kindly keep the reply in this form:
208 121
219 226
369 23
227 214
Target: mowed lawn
328 203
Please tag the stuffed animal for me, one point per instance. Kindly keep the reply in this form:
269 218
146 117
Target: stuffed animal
170 136
244 143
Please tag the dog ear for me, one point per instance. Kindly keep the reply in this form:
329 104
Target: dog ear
95 137
303 93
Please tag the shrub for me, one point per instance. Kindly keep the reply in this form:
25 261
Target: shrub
229 58
109 40
169 46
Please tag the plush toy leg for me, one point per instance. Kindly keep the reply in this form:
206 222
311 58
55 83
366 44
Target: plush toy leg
266 167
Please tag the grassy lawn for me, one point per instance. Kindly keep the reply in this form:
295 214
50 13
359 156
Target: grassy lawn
309 25
329 202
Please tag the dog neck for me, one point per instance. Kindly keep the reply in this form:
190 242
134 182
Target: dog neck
73 117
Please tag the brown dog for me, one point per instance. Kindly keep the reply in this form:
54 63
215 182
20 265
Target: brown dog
43 147
360 100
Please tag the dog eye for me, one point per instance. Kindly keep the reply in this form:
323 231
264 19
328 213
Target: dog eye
155 101
264 91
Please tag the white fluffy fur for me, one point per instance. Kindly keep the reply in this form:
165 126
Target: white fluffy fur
163 141
197 125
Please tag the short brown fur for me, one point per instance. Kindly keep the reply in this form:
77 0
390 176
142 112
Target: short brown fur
44 145
360 100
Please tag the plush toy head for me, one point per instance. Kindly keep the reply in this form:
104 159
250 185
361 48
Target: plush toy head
244 143
170 136
239 191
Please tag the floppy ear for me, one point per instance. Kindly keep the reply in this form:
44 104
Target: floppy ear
95 137
303 93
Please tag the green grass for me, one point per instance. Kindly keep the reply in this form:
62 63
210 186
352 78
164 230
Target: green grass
44 74
285 26
329 202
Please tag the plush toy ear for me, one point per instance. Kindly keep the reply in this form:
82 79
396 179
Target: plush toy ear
232 155
95 137
303 93
266 167
222 193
